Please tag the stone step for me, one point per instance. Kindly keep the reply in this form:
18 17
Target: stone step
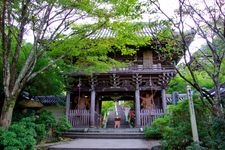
105 135
121 126
105 130
132 133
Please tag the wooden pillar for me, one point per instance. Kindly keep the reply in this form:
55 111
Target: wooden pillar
137 78
67 104
92 112
137 107
164 102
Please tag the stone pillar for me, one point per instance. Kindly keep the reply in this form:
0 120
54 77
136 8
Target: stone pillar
92 112
164 102
192 117
67 104
137 107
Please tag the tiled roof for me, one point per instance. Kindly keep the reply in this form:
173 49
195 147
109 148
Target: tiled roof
109 33
102 33
144 32
45 100
222 90
51 100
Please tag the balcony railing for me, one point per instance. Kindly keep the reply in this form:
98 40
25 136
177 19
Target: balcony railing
142 68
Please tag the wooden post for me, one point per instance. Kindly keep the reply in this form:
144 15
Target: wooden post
192 117
67 104
175 97
92 112
137 79
164 102
137 107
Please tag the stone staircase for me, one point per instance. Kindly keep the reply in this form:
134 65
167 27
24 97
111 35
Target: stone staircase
105 133
121 114
110 138
110 121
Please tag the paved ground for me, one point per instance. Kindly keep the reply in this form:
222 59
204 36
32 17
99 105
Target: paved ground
106 144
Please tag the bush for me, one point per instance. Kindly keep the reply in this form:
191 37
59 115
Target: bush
155 131
218 134
61 126
175 128
45 117
20 135
26 132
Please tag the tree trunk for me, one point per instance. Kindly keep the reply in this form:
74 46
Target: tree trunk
218 110
7 111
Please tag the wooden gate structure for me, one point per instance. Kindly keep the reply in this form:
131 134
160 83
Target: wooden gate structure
144 82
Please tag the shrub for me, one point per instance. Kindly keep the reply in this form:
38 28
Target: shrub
61 126
157 128
47 118
20 135
175 128
41 132
218 134
26 132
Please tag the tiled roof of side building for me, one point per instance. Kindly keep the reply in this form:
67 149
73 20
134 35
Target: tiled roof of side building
51 100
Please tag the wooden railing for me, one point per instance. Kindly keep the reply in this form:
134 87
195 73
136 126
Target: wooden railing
154 67
180 97
79 118
149 115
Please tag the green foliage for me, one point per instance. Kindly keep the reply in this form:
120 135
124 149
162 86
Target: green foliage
41 132
155 131
128 104
179 84
25 132
218 133
61 126
174 129
41 85
46 118
107 105
91 54
20 135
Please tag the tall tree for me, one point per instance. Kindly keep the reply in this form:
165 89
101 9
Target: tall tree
206 18
47 23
